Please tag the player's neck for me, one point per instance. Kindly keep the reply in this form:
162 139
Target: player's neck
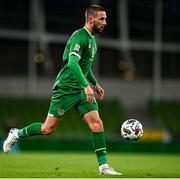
89 29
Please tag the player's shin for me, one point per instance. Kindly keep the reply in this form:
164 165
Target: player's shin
31 130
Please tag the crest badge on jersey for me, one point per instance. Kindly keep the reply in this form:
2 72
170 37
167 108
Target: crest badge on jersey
60 111
76 47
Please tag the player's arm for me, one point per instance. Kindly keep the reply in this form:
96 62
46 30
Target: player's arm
99 90
73 65
91 77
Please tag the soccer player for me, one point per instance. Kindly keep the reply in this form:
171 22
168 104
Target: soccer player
72 89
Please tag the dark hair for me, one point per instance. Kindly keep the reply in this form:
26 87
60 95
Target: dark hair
92 9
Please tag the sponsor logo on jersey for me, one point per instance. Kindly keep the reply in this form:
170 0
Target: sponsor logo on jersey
76 47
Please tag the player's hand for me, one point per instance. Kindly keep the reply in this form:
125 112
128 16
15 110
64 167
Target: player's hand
99 90
89 93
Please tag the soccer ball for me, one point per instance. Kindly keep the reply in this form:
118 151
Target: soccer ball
131 129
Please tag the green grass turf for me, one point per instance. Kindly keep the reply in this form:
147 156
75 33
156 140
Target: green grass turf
84 165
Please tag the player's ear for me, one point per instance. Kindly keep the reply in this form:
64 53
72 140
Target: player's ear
91 19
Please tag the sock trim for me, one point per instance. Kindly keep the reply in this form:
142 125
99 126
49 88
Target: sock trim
26 131
103 148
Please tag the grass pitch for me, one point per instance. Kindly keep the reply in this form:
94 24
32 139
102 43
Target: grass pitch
84 165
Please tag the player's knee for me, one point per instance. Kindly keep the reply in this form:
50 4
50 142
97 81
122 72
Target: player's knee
97 126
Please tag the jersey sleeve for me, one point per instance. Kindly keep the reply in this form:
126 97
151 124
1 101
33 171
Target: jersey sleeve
73 65
76 45
91 77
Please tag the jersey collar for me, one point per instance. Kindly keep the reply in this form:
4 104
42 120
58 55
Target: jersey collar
88 32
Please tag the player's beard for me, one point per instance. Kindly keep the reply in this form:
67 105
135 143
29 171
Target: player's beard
96 30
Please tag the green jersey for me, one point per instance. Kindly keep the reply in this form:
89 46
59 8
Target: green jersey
82 45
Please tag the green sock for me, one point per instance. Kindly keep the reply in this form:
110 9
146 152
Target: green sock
31 130
99 146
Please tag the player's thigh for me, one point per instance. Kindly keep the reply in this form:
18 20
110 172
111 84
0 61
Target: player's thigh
91 117
94 121
83 106
89 113
60 104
